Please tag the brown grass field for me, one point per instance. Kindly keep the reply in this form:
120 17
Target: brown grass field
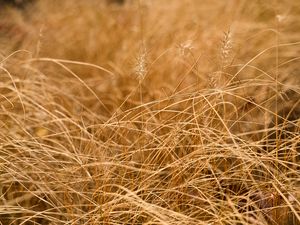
150 112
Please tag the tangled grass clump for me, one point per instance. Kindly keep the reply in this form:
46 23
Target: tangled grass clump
150 112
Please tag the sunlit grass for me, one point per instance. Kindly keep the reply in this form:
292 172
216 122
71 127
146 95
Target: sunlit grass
150 112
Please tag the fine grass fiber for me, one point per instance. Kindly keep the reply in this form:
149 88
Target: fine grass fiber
150 112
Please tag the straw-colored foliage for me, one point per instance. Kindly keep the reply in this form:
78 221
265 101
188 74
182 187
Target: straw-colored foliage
150 112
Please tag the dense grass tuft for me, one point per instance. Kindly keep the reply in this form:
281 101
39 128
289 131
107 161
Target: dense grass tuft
150 112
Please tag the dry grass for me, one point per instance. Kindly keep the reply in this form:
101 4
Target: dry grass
151 112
